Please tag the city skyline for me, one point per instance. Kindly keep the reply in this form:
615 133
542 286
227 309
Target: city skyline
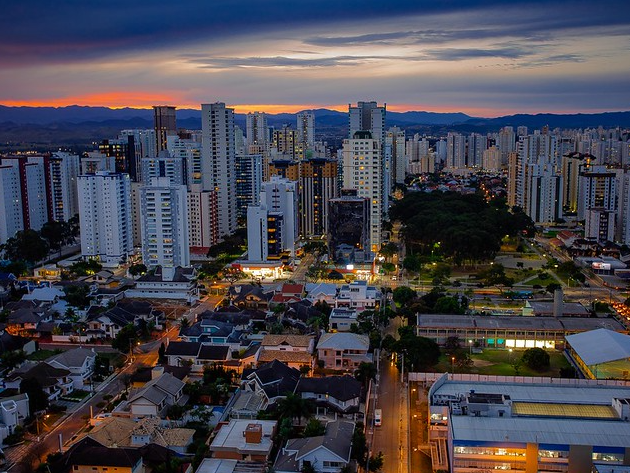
483 58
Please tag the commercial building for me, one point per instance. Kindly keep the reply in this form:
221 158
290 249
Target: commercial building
164 124
509 332
318 185
529 425
249 176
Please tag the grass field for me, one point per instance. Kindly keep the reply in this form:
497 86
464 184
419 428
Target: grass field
501 362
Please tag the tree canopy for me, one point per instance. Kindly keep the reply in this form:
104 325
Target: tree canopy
466 226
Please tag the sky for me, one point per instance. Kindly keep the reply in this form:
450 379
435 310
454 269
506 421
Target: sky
484 58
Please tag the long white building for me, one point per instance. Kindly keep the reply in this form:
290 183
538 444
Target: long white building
10 202
105 216
218 162
164 224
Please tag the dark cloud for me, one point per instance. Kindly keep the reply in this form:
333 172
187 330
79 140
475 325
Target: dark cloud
283 61
37 31
457 54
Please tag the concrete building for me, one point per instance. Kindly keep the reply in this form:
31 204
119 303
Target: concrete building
306 129
599 225
203 220
249 176
164 224
62 179
105 217
530 425
491 159
164 165
257 130
476 145
123 150
218 162
164 124
348 227
395 155
318 185
544 202
455 151
597 189
286 143
10 202
144 146
248 440
189 151
506 142
363 171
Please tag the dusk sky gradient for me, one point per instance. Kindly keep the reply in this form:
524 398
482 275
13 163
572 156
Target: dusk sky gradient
484 58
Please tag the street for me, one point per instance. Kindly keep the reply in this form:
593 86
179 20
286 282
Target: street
23 457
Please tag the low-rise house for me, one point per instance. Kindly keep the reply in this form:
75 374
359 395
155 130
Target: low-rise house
55 382
49 272
327 453
123 432
288 293
332 394
244 440
80 363
293 350
358 295
221 465
343 350
24 321
157 396
250 296
341 319
103 459
197 355
112 321
321 292
13 411
167 283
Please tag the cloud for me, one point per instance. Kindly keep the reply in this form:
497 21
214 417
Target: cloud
289 62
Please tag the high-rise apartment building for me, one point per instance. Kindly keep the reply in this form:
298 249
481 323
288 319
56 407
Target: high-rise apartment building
272 225
189 151
144 146
597 189
164 165
164 224
363 171
349 227
257 130
318 185
573 164
62 180
218 162
455 151
286 143
164 124
249 174
306 129
203 225
506 142
476 144
545 193
123 150
10 202
105 216
368 116
491 160
395 155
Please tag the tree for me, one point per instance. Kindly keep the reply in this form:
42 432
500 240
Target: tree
293 406
77 295
162 353
27 246
389 267
418 352
307 467
55 233
403 295
37 398
388 250
233 274
536 358
552 287
365 372
359 444
376 462
126 338
137 269
11 359
314 428
452 344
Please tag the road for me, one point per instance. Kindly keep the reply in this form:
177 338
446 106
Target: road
391 437
299 274
27 454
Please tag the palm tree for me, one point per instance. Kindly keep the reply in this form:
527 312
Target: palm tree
294 407
365 373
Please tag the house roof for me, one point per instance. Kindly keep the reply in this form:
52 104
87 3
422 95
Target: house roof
289 340
342 388
600 346
72 358
182 349
181 275
276 378
292 288
24 316
47 375
344 341
157 389
285 356
110 457
214 352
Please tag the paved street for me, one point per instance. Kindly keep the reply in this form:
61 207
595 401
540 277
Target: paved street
22 458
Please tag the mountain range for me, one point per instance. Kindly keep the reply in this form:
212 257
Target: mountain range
191 118
78 127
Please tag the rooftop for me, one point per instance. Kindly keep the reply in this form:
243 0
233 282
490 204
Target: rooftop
600 346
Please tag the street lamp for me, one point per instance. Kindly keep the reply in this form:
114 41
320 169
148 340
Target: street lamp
510 356
453 364
470 347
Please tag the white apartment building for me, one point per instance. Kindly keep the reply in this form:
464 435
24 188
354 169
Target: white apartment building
203 230
455 151
164 165
10 202
105 216
189 151
597 189
257 130
305 125
491 159
545 193
363 171
63 174
164 224
218 162
395 155
145 146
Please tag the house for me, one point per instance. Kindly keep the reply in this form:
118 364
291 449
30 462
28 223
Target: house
107 324
341 319
123 432
55 382
220 465
262 388
23 321
244 440
321 292
10 342
250 296
13 411
167 283
343 350
104 459
80 363
293 350
335 394
209 330
49 272
288 293
197 355
327 453
157 395
358 295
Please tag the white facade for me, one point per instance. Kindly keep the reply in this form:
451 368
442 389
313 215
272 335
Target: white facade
145 146
455 151
477 144
545 194
218 162
164 224
257 249
63 174
599 225
491 159
597 189
395 154
363 171
164 165
202 217
190 152
105 216
281 195
10 203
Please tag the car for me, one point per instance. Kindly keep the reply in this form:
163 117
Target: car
378 418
